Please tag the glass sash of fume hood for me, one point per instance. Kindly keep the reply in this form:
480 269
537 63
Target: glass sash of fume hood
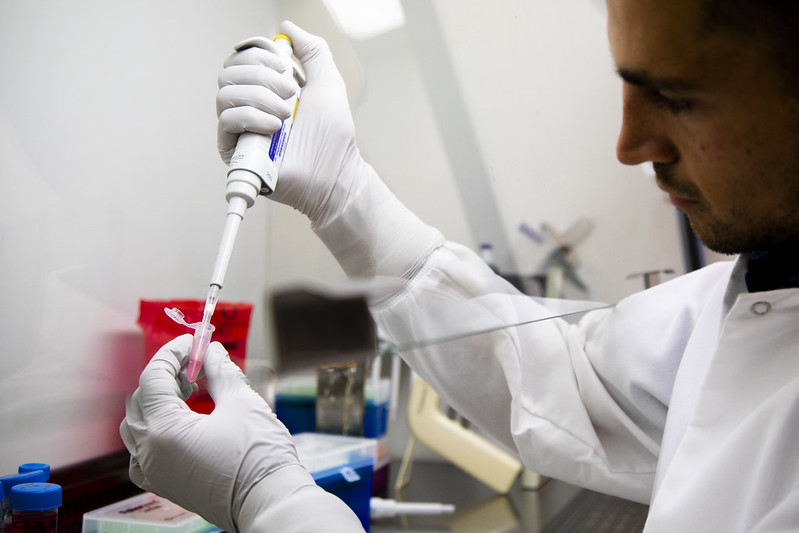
442 322
317 323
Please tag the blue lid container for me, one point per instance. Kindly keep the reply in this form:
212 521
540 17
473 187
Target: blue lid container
35 476
352 484
35 496
32 467
343 466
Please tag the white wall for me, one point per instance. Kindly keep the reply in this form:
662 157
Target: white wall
111 191
541 89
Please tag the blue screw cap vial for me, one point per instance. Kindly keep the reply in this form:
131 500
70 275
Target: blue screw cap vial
35 497
35 476
32 467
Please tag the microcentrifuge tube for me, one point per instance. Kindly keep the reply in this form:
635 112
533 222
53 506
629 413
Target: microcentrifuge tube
202 337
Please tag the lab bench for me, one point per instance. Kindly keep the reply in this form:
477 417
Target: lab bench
556 507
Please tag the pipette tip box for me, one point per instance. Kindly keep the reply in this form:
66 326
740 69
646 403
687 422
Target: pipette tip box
145 513
342 466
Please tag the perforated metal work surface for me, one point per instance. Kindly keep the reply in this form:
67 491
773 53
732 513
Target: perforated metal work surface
591 512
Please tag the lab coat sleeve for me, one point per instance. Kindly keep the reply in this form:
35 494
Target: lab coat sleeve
582 402
784 516
286 502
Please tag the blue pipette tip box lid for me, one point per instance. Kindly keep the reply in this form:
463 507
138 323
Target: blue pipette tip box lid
145 513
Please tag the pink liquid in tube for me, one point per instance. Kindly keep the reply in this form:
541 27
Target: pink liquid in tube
199 345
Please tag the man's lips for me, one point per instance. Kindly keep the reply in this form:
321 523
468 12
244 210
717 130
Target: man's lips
679 199
682 202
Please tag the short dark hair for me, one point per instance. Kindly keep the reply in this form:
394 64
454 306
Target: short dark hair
771 25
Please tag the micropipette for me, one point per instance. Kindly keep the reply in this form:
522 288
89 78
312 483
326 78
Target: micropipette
253 170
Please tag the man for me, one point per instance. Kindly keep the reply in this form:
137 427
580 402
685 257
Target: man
685 396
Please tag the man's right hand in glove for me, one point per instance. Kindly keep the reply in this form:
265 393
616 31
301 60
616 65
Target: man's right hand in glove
323 167
323 174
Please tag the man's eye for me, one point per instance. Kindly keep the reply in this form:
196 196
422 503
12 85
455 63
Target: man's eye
672 105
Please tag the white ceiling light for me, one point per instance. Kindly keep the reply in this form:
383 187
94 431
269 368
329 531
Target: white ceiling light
364 19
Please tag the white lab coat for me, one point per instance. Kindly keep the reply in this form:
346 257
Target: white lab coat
684 396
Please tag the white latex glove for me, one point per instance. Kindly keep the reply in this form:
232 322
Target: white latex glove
323 174
236 467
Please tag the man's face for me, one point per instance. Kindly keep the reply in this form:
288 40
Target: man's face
711 113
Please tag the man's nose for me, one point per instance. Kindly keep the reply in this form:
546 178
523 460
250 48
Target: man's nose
643 137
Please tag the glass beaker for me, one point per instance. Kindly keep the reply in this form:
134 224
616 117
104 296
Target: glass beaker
340 398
